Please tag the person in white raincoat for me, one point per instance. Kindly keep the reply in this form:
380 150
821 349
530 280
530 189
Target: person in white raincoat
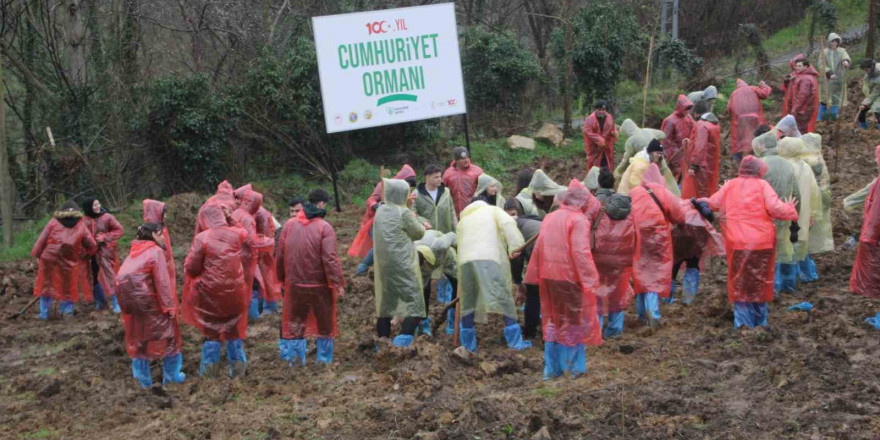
821 232
810 200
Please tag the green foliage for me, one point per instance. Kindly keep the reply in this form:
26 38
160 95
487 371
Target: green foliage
675 54
661 102
496 70
24 240
188 125
604 32
824 16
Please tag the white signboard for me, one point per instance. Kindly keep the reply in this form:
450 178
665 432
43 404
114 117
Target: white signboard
390 66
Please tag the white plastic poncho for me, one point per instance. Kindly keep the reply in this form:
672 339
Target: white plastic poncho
438 252
484 182
635 143
764 142
632 177
810 201
821 233
788 127
487 237
592 180
398 280
856 201
780 175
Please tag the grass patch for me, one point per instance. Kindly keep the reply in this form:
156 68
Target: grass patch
42 433
546 392
24 239
850 14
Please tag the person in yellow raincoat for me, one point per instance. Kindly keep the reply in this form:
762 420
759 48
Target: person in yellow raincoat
821 233
637 139
653 153
809 203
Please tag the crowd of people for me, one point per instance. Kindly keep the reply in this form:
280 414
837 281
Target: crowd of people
573 257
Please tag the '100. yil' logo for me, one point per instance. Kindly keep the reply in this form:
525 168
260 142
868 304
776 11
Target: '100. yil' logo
383 27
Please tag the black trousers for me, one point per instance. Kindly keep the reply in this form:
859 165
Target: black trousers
383 326
426 291
533 312
692 263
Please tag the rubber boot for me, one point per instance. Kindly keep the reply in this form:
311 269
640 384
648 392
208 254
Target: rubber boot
807 270
553 366
66 309
402 340
325 350
209 366
450 322
270 307
425 327
100 298
171 369
237 358
114 305
648 308
140 370
614 326
691 285
822 110
293 351
513 335
254 307
45 306
468 338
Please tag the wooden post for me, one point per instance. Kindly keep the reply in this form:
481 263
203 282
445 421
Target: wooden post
6 184
872 29
567 83
455 333
647 80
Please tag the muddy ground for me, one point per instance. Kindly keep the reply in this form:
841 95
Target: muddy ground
812 375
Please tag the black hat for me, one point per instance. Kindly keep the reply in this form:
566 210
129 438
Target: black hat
600 103
654 145
460 153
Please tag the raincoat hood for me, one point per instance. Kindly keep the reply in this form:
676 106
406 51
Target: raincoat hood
396 192
577 195
710 93
251 202
710 117
765 142
485 181
618 207
628 127
140 246
154 211
791 147
791 62
542 185
812 143
683 105
405 172
225 188
240 192
832 36
751 166
69 214
740 83
788 127
434 243
592 180
212 216
653 175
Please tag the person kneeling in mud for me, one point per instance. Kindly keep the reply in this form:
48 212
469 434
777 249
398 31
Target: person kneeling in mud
437 253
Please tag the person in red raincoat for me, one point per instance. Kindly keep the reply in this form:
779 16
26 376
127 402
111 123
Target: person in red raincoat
99 271
58 252
269 287
154 212
702 159
693 242
748 205
562 267
787 83
363 241
804 95
599 137
308 264
461 178
677 127
225 194
865 278
250 203
655 209
614 247
148 300
746 115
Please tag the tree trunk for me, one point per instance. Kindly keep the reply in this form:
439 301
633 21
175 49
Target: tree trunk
567 95
6 185
872 25
76 63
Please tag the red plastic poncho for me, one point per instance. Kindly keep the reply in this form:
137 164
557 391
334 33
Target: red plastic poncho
614 252
696 237
787 85
308 264
805 99
677 127
240 193
599 141
865 278
225 195
251 202
563 268
746 114
107 231
748 205
148 301
462 184
215 296
154 212
58 251
653 266
269 286
362 241
703 154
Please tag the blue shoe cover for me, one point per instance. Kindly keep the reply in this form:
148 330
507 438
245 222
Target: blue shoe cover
801 307
807 270
559 359
402 340
513 335
671 298
450 322
235 355
100 298
325 350
66 308
614 326
444 290
863 125
254 307
293 350
786 278
210 355
691 284
362 269
835 110
270 307
140 370
45 306
874 321
822 110
114 305
468 338
749 314
648 303
425 327
171 369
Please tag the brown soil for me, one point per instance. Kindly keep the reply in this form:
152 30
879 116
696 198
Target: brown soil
812 375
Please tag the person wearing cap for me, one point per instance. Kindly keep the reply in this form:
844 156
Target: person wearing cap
871 90
637 140
599 137
461 178
836 62
677 127
653 153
